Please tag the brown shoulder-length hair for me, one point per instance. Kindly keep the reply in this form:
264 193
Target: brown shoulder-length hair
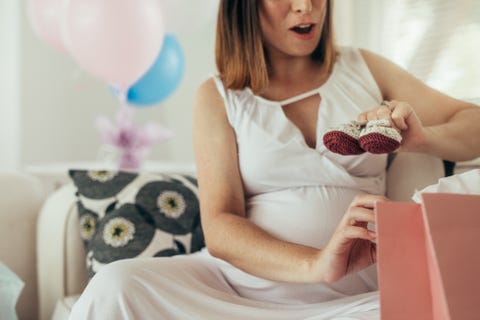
239 51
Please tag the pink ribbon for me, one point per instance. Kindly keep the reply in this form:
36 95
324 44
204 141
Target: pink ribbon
134 142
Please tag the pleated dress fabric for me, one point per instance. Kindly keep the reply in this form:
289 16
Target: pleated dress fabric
293 191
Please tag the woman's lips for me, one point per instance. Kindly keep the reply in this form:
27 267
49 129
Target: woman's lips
303 31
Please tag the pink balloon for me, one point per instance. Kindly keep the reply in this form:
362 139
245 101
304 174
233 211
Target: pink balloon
115 40
45 17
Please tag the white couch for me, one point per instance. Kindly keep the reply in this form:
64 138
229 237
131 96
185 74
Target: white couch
51 260
21 197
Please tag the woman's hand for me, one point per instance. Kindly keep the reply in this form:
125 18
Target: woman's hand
351 247
404 119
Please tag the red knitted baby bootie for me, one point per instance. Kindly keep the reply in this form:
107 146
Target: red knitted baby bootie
344 138
379 137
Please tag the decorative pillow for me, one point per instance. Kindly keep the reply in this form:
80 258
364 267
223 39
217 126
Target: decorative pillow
126 215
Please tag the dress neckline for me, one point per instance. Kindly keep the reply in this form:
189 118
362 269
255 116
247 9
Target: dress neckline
299 96
290 100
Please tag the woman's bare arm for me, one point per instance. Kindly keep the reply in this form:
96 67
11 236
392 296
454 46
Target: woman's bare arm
447 127
232 237
228 234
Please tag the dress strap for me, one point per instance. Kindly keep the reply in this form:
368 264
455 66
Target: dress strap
299 97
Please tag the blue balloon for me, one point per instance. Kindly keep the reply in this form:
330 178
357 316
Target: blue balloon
163 77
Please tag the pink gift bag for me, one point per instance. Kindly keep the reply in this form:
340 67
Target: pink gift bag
429 258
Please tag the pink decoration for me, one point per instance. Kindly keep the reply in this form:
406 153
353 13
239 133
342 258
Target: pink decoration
115 40
134 142
45 17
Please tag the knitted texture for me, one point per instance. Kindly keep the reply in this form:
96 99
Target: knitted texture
379 137
353 138
377 143
344 139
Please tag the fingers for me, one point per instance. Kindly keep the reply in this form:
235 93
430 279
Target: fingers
400 114
362 117
380 112
375 114
367 200
358 215
394 111
360 212
354 232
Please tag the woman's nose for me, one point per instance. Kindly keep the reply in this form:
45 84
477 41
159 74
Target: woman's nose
302 6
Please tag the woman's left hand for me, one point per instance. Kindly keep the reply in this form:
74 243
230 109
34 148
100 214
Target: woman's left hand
402 118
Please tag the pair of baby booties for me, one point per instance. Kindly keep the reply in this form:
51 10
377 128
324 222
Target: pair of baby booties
357 137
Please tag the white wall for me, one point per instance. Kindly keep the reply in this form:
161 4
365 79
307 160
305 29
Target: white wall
60 101
356 23
9 85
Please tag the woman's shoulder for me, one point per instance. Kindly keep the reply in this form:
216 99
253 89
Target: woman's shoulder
209 87
215 86
213 96
208 95
212 89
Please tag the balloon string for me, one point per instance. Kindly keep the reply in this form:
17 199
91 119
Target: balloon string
122 97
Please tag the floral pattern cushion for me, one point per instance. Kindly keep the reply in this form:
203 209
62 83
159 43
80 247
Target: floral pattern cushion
126 215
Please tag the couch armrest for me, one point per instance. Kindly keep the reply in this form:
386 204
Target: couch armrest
61 258
409 172
22 196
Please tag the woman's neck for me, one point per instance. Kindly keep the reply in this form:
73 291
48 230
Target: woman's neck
291 76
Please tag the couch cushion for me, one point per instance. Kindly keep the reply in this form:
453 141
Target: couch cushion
127 215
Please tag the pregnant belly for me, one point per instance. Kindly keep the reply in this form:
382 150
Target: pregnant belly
305 215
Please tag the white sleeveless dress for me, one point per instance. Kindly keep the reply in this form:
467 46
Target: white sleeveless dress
297 193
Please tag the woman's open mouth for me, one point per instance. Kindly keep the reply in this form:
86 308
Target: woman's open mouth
303 29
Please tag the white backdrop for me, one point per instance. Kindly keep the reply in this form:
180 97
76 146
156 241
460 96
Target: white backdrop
9 85
48 105
60 101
